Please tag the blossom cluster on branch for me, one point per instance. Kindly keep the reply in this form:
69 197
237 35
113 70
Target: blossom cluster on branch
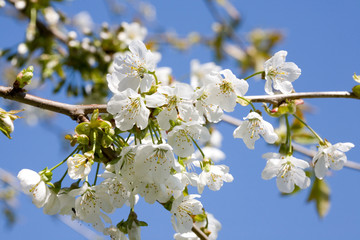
159 141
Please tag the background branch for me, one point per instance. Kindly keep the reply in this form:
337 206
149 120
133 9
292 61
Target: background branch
279 98
296 147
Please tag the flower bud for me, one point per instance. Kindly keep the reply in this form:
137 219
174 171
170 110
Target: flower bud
6 121
356 90
24 77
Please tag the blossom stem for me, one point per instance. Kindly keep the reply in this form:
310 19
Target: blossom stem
62 178
96 174
153 130
288 135
248 101
156 79
202 153
94 141
127 139
159 133
261 72
311 130
60 163
151 134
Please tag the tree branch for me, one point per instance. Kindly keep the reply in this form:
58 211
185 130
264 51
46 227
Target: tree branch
79 112
44 29
297 147
199 233
75 111
279 98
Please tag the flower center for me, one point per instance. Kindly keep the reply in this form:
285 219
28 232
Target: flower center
226 87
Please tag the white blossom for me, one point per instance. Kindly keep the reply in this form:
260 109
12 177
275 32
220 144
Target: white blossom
32 184
224 88
118 192
131 31
164 75
51 16
214 226
22 49
20 4
181 137
182 209
173 100
114 233
90 203
199 71
52 205
330 156
79 166
251 129
84 22
135 69
186 236
7 123
288 170
212 112
155 162
213 153
129 109
279 74
134 232
214 177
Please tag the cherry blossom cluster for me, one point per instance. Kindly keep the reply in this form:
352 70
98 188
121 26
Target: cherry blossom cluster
161 140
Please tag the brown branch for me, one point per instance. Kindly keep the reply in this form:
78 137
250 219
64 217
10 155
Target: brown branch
296 147
43 28
79 112
199 233
279 98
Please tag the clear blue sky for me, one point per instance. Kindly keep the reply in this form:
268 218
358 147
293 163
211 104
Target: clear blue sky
322 37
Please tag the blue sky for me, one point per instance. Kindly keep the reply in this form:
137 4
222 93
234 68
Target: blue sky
321 37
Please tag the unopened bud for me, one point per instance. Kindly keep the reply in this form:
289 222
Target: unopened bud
24 77
6 121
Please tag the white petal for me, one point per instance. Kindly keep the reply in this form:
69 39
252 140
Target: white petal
285 184
344 147
301 179
271 169
320 168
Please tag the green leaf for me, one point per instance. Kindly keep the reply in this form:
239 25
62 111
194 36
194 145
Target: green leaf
142 224
320 194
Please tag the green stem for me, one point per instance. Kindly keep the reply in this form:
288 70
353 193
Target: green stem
157 128
60 163
312 130
288 134
127 139
202 153
94 141
96 174
62 178
248 101
153 130
261 72
156 79
151 134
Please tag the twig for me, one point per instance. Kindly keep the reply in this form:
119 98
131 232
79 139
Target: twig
296 147
199 233
279 98
45 30
75 111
